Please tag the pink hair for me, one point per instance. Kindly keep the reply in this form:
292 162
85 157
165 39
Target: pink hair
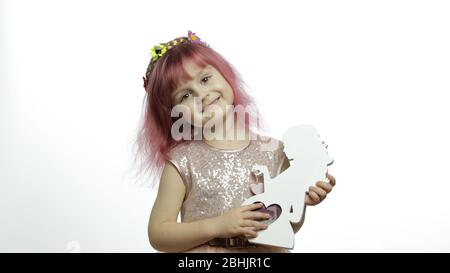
154 141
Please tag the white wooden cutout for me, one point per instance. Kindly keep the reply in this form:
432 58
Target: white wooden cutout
308 164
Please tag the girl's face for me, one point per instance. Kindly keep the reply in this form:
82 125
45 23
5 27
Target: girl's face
205 96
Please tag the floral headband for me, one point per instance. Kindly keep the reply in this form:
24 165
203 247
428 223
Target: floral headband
161 49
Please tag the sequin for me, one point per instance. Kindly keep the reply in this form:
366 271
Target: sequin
217 180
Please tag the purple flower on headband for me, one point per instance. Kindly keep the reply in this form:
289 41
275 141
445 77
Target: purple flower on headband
193 38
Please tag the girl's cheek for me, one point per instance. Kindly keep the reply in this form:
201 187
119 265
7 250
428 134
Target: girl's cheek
227 94
189 113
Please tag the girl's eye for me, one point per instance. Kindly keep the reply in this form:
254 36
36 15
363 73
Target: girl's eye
186 95
205 79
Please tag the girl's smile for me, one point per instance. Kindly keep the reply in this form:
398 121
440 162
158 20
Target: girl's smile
209 105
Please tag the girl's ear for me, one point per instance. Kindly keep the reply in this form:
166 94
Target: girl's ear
145 83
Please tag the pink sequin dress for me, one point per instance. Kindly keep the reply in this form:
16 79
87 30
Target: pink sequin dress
217 180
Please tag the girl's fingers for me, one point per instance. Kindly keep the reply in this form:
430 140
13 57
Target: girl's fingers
320 192
314 196
325 186
255 215
247 223
309 201
261 215
332 179
252 206
248 232
252 223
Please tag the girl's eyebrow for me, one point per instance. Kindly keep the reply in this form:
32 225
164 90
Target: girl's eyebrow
177 92
201 72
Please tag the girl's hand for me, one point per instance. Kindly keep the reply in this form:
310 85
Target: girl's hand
318 193
240 221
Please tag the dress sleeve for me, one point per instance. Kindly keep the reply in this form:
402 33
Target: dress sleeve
181 162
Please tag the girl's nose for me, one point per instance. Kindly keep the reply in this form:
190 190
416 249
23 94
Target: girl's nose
204 95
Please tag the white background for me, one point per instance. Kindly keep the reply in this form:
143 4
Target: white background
371 76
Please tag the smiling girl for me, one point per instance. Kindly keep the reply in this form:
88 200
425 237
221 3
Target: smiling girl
206 179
